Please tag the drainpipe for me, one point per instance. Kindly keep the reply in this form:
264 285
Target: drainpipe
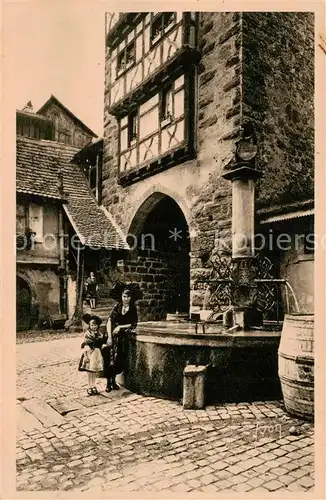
62 256
78 279
243 176
62 264
62 259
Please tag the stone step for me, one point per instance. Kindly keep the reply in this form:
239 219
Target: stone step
43 412
26 421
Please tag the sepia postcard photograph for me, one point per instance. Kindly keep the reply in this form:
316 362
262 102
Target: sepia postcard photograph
165 289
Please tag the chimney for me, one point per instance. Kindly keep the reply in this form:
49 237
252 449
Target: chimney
29 107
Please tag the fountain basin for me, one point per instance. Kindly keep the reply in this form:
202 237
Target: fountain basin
242 365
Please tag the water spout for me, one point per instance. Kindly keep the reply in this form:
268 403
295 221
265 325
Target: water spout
288 286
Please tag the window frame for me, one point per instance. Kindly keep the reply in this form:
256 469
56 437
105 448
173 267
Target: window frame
164 117
127 67
132 128
164 30
140 34
187 86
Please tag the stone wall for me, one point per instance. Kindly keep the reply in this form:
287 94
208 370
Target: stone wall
278 96
45 288
48 248
152 271
196 185
297 267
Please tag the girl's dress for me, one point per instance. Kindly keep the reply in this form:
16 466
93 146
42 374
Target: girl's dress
92 359
118 348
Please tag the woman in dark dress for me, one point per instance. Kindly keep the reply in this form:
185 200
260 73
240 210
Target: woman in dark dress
91 287
123 319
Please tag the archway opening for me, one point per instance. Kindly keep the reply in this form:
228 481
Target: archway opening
162 255
23 304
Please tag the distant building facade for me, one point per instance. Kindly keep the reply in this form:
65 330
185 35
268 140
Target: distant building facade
62 233
53 121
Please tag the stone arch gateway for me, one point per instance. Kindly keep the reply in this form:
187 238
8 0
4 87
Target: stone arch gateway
160 257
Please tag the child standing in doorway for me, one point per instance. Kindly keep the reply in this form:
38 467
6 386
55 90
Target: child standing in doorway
91 290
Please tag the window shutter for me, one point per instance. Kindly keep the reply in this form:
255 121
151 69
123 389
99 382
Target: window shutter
36 221
20 220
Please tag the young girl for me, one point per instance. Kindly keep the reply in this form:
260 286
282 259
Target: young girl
92 360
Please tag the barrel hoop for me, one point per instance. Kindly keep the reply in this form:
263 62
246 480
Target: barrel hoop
296 382
305 360
301 401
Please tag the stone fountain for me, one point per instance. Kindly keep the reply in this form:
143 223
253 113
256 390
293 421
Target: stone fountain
240 361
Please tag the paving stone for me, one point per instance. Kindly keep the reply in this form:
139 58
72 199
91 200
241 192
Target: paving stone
255 482
278 471
219 465
208 479
298 473
306 482
235 469
267 456
237 479
214 448
291 465
224 484
286 479
242 487
224 474
273 485
295 487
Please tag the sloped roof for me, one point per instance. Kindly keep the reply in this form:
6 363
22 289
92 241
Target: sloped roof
32 114
54 100
37 165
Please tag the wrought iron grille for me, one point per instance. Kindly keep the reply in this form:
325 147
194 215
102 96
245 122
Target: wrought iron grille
227 279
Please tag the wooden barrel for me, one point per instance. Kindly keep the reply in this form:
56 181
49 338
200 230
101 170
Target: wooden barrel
296 364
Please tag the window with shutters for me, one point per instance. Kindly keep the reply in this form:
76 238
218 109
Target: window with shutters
21 219
35 222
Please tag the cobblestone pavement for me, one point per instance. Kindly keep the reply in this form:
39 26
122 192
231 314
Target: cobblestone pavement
125 442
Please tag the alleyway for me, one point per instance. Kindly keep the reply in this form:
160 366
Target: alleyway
125 442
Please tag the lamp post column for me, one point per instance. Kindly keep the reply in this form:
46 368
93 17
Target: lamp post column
243 180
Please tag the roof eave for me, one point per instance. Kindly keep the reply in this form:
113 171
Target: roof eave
121 245
42 195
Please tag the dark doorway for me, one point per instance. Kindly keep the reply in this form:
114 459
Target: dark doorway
163 232
23 304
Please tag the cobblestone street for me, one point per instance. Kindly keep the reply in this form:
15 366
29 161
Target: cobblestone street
125 442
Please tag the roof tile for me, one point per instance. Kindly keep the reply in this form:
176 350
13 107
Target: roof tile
37 165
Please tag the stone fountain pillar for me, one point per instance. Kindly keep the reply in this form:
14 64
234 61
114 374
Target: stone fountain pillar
243 176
